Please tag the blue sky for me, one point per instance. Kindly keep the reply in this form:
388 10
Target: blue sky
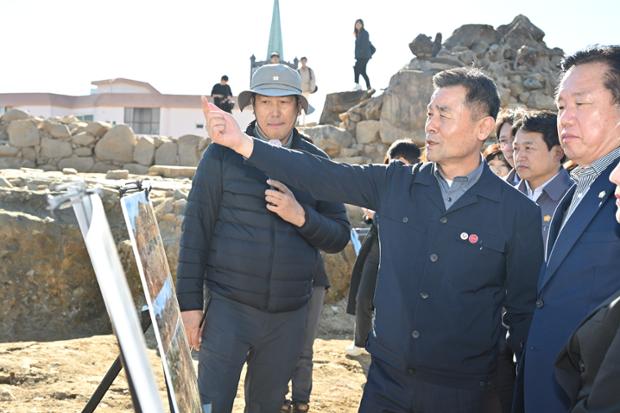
183 47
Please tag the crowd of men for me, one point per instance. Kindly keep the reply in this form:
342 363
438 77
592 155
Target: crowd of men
475 271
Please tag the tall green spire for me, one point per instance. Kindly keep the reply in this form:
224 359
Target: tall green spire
275 33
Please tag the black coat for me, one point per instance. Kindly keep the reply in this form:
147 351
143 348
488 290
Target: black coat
369 254
588 368
244 251
362 45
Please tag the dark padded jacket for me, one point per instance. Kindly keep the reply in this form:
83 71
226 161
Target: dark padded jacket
362 45
244 251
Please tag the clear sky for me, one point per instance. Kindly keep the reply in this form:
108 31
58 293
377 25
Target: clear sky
184 46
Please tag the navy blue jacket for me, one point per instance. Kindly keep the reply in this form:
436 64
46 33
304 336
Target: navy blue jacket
444 275
244 251
362 45
582 270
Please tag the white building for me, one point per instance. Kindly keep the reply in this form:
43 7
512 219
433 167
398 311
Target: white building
134 103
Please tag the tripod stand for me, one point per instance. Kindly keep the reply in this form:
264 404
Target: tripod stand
114 370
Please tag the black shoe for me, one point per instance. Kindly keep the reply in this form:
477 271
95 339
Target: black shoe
286 406
300 407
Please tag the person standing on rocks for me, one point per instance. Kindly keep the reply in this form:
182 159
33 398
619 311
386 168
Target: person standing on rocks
363 53
222 95
308 79
456 245
308 84
255 242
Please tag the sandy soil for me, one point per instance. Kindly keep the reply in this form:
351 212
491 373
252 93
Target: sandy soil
60 376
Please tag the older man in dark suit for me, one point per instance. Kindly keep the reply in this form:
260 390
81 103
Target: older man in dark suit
588 368
583 257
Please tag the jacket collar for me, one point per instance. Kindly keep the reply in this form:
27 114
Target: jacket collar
555 188
295 140
489 186
485 187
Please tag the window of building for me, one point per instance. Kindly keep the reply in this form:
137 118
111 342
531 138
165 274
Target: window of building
86 118
143 120
200 126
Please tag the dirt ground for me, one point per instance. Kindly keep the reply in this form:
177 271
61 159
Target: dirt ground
60 376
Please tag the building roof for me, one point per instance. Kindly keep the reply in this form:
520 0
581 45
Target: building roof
101 100
108 82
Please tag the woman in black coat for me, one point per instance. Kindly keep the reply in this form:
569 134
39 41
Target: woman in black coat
363 52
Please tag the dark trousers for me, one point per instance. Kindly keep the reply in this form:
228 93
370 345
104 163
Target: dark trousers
301 381
505 375
235 333
360 69
364 306
390 390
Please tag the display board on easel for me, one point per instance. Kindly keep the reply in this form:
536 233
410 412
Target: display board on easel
163 306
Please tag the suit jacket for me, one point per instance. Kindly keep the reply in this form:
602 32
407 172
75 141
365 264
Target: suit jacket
444 275
581 271
551 196
588 368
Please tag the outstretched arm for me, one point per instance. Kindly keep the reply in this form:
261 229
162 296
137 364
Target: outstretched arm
323 179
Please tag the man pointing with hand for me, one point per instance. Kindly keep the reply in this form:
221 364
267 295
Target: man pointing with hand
457 245
255 243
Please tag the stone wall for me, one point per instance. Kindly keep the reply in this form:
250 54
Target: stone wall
66 142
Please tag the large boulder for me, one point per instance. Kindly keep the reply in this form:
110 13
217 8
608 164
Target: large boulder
23 132
83 139
521 32
367 131
56 129
422 46
167 154
97 129
337 103
404 106
144 151
522 22
116 145
14 114
329 138
470 35
189 149
54 148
